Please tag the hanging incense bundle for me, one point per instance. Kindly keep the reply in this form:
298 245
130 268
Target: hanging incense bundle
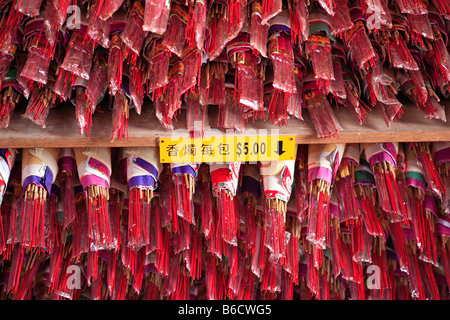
68 169
196 24
192 62
7 159
157 56
365 191
30 8
170 101
341 20
323 118
184 177
39 170
258 30
94 171
213 83
79 54
345 179
282 55
250 190
133 35
440 152
197 121
301 182
362 52
431 174
323 162
38 108
299 20
277 178
400 178
224 179
319 51
230 116
10 44
142 175
156 16
120 115
217 29
115 64
98 29
296 103
174 37
97 79
248 84
337 86
53 20
10 95
382 158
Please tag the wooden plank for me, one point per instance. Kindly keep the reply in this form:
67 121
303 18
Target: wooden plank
145 129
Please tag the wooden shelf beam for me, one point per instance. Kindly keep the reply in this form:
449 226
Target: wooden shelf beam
145 129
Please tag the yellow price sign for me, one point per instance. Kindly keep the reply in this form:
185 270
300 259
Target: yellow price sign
227 149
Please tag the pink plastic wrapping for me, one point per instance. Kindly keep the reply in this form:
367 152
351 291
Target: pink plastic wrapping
39 106
98 30
196 24
192 62
108 7
115 64
78 58
237 16
400 56
257 30
360 46
120 116
337 86
441 54
218 36
97 80
53 21
341 20
299 21
280 50
212 83
321 114
296 103
412 6
421 26
28 7
156 15
174 37
319 50
8 49
158 65
270 8
137 84
133 35
38 61
230 115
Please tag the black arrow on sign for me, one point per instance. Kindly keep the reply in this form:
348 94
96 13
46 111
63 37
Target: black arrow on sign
280 150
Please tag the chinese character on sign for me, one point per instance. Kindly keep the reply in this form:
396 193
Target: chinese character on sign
224 149
207 150
189 150
172 150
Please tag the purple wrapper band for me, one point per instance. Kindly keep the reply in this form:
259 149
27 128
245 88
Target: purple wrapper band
429 203
415 183
183 169
442 156
56 190
78 189
147 166
91 179
147 181
279 27
251 185
45 182
320 173
67 163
